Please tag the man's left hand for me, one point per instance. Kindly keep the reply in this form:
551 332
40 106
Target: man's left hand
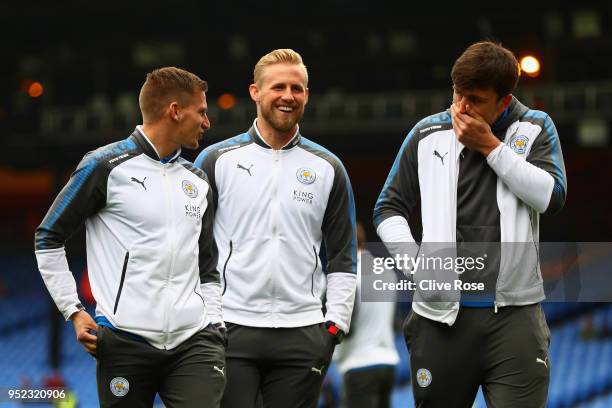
473 131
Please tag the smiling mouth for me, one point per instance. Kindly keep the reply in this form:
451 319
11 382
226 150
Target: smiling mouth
285 109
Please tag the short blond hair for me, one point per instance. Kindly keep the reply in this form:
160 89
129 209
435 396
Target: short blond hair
164 85
279 56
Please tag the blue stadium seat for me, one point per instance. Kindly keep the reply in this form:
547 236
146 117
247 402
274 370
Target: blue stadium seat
402 372
402 397
21 311
581 368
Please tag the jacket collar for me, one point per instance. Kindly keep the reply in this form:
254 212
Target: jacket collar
147 147
510 115
256 137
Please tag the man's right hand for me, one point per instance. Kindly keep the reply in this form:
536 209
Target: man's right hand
83 324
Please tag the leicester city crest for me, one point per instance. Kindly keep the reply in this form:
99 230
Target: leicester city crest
519 144
423 377
119 386
190 189
306 175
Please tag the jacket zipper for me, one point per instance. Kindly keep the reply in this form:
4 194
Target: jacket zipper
535 244
171 235
125 262
456 176
225 268
275 229
457 169
314 270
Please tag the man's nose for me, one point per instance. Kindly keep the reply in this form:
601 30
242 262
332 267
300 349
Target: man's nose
462 102
206 123
287 94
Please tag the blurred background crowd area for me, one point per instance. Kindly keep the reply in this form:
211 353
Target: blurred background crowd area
69 82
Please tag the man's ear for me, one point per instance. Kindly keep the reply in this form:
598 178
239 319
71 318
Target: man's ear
505 102
254 91
174 111
306 98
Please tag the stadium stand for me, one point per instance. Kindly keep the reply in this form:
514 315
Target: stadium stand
581 356
375 70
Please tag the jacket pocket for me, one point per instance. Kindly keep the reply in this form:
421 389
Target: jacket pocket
125 262
314 270
231 248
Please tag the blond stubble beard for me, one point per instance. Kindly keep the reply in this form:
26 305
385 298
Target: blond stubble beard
280 125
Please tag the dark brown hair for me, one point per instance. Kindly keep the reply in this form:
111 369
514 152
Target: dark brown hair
164 86
486 65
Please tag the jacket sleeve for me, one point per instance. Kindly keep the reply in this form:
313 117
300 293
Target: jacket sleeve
538 181
208 255
81 197
340 238
400 194
206 161
546 154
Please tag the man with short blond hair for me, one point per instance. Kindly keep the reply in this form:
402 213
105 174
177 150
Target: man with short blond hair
279 198
151 256
280 56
